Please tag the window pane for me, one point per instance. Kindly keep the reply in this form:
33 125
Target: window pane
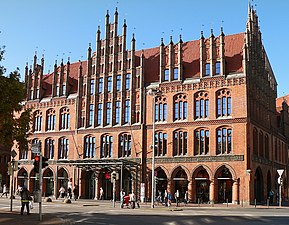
167 74
176 73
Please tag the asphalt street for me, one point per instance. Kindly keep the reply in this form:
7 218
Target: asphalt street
102 212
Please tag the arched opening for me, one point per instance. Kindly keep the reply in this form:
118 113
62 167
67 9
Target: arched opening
202 184
22 178
225 183
48 182
180 182
62 179
105 183
258 186
161 182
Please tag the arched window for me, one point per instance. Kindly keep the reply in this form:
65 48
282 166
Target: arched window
261 145
255 141
89 147
202 142
64 119
161 144
50 120
49 148
201 105
161 109
267 146
124 145
180 107
180 143
224 140
63 148
37 120
224 106
106 146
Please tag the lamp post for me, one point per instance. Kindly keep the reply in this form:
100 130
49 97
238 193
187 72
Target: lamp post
153 93
13 154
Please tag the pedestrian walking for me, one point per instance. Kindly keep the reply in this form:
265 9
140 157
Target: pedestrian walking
186 198
75 192
177 197
62 192
101 193
5 191
122 194
132 199
25 198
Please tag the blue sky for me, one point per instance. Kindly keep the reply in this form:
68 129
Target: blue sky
62 28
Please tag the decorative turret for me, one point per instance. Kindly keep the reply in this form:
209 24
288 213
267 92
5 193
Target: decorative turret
162 60
202 55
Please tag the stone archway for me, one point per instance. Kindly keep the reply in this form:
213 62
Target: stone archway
48 182
224 185
201 184
22 178
62 179
258 186
180 182
161 182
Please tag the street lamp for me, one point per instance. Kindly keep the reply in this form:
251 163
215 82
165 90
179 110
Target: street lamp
153 93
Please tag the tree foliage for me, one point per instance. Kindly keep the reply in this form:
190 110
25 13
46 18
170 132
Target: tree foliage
12 93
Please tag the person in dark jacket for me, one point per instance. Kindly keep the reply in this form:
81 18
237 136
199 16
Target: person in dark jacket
25 198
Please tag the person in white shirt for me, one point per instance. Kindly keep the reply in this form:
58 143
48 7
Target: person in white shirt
132 199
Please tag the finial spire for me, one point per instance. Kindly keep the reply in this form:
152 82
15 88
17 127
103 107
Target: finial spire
181 41
171 39
162 42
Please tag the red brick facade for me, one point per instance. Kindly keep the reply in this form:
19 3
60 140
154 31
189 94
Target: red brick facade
218 134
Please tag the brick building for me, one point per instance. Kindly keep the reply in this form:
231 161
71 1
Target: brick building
218 133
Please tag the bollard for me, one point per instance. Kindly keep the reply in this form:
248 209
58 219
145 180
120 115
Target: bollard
255 202
242 203
198 202
227 202
268 202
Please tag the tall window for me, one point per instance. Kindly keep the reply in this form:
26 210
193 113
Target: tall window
37 93
57 90
124 149
118 83
108 113
202 138
127 81
37 120
180 107
49 148
224 107
64 119
208 70
64 89
266 146
89 147
106 146
201 105
92 87
180 143
91 115
224 141
127 111
99 114
100 85
161 144
218 68
176 74
160 109
167 74
109 84
51 120
261 144
117 112
63 148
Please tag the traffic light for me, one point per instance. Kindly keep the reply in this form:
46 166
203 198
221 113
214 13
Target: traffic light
36 163
44 162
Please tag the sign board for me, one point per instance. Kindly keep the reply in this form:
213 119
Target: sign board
13 153
280 172
35 148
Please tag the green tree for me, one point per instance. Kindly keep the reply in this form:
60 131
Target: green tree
14 121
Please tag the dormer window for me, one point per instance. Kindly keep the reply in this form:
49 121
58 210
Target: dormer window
208 70
218 68
176 73
167 74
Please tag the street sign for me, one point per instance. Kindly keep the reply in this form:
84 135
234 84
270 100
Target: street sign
280 172
35 148
13 153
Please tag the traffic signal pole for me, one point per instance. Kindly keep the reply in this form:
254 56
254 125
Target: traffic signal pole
40 188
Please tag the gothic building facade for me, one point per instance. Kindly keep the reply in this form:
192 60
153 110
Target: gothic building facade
211 121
